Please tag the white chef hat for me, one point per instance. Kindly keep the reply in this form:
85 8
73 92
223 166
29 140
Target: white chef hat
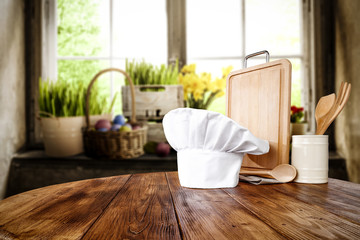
210 147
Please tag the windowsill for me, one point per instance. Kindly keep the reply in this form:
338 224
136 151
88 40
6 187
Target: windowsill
34 169
40 154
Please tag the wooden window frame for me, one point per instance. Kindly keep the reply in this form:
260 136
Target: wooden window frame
41 53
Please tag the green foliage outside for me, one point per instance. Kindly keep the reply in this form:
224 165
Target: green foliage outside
78 28
78 35
296 85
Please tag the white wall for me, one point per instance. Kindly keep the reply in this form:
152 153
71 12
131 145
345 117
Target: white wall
12 84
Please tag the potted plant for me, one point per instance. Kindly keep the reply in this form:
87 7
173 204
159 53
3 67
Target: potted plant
297 120
62 110
200 90
157 91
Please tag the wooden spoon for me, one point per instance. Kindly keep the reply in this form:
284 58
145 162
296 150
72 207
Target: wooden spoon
322 109
341 99
282 173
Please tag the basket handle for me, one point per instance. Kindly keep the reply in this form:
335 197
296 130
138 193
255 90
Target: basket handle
133 112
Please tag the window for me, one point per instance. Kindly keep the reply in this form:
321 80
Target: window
92 35
225 32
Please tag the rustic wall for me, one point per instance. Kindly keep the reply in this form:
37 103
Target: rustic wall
347 128
12 84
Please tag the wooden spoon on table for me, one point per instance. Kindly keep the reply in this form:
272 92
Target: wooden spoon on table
282 173
322 109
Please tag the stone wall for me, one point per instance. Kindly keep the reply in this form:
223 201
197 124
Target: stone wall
347 68
12 84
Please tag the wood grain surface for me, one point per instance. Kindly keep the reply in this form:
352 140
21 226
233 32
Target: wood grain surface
64 211
155 206
142 210
258 98
212 214
294 219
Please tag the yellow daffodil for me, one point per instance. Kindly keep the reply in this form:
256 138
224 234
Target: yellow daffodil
189 68
226 71
197 85
220 84
199 89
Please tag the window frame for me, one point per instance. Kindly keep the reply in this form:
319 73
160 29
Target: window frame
176 18
243 53
306 56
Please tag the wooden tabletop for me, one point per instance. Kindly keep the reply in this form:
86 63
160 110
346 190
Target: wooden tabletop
155 206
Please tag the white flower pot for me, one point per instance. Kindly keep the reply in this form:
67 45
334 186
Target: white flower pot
62 136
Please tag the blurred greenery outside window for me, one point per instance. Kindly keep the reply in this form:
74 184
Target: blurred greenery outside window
93 35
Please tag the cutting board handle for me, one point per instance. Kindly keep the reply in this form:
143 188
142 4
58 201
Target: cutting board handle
256 54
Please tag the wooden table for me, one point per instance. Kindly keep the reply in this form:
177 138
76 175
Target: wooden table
155 206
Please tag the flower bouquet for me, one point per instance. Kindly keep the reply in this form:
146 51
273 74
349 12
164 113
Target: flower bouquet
297 114
200 90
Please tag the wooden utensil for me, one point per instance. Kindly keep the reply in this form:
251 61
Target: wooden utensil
258 98
282 173
323 107
342 98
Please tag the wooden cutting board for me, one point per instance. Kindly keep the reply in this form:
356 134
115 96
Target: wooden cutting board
259 99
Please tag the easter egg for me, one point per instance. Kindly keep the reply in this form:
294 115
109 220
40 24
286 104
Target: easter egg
125 128
119 119
162 149
150 147
102 129
103 123
115 127
136 127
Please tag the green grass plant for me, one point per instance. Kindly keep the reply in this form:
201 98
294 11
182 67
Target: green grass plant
143 73
67 99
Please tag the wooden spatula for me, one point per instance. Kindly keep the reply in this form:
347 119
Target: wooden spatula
322 108
342 98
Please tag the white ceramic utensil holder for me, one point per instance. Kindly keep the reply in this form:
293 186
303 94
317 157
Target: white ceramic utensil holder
310 157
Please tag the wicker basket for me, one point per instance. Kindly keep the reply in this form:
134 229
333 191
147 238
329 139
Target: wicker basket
110 144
